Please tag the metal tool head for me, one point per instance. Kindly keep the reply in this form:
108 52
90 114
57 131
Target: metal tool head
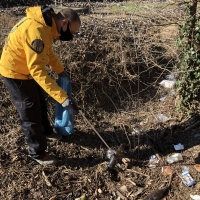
114 156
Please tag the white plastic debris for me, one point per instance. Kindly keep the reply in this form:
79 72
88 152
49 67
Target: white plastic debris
163 98
170 76
153 161
195 197
174 158
179 147
162 118
167 83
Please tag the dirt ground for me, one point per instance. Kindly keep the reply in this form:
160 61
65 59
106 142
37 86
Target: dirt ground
116 63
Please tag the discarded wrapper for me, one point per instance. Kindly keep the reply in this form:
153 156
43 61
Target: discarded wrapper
153 161
167 83
187 179
174 158
179 147
162 118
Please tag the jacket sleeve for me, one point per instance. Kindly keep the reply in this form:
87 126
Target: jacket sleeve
55 63
37 58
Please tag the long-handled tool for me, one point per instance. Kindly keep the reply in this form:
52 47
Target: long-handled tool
113 155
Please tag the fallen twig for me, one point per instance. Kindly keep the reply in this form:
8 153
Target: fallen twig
138 172
133 183
46 179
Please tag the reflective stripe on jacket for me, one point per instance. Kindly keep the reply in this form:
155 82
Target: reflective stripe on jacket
28 50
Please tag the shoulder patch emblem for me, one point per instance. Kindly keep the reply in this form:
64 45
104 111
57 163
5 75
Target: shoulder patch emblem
37 45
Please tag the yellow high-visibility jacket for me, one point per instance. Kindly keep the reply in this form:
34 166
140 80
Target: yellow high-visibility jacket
28 50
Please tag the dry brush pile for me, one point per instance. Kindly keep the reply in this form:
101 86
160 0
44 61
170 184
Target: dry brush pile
114 61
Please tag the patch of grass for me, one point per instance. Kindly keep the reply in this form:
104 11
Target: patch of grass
137 7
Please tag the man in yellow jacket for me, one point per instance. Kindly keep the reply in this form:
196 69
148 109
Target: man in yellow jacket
26 53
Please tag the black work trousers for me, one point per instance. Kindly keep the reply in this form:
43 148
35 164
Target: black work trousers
28 98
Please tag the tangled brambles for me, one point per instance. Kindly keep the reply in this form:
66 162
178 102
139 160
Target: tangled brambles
188 84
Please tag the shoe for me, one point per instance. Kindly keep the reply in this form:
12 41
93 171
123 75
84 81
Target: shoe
47 160
54 136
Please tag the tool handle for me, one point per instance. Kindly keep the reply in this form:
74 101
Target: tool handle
93 128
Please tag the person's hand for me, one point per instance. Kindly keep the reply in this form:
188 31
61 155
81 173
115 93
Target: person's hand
70 103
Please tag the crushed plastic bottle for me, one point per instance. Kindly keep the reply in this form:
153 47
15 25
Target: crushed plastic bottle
187 179
162 118
174 158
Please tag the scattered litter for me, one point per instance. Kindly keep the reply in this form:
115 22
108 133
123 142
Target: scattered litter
197 167
163 98
123 188
184 168
153 161
195 197
179 147
174 158
167 171
167 83
187 179
162 118
171 76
